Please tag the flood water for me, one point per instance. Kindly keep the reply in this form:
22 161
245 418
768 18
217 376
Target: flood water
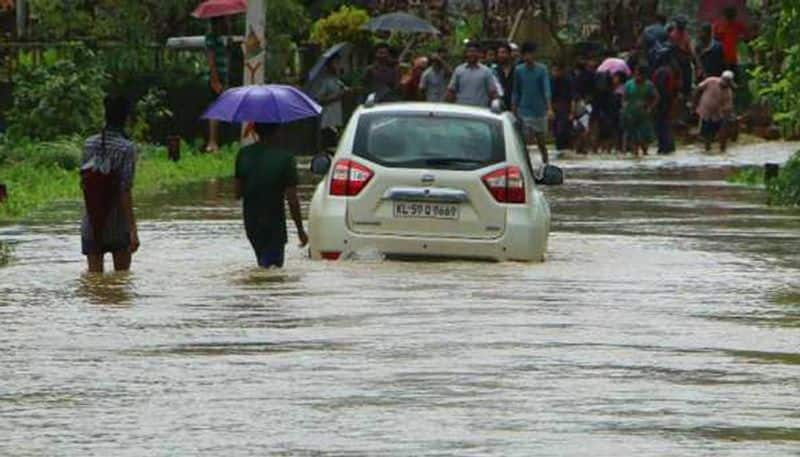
665 322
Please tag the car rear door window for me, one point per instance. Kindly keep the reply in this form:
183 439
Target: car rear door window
425 140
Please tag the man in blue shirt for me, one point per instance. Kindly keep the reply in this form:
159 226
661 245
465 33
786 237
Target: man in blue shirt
531 98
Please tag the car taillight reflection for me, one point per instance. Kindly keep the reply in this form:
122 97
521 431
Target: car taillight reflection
349 178
506 185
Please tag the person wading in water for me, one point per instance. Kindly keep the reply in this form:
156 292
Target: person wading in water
266 175
107 172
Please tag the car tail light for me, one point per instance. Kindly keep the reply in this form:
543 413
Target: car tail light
349 178
331 255
506 185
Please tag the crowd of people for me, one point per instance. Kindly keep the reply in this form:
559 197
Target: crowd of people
587 106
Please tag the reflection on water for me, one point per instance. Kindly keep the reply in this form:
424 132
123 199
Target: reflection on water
665 322
113 289
5 253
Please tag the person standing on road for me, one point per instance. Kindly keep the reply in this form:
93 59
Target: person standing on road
217 56
504 72
328 92
563 93
107 172
684 53
711 61
531 99
667 82
472 83
639 100
714 100
730 31
266 175
383 77
433 83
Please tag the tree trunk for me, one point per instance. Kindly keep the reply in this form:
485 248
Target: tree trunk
485 27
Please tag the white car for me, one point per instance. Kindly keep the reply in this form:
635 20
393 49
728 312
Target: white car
431 180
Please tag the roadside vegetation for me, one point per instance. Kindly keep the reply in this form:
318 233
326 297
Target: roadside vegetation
41 173
783 190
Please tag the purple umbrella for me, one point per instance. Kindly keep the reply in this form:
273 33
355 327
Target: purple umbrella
614 65
269 104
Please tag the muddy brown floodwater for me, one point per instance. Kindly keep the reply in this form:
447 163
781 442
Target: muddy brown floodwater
665 322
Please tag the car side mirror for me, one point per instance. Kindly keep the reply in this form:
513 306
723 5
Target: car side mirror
321 164
551 176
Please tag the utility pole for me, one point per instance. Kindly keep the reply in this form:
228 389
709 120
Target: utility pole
255 53
255 43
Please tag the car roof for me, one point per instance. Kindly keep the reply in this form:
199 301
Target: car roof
440 108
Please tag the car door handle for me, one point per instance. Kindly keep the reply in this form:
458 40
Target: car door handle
416 194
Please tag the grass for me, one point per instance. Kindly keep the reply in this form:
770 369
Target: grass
751 176
40 174
784 190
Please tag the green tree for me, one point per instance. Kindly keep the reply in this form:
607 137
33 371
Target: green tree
342 25
777 79
57 98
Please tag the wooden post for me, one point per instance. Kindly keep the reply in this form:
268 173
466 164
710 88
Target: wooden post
254 47
771 171
174 148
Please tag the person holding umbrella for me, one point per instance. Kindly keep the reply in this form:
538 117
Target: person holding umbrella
266 174
328 91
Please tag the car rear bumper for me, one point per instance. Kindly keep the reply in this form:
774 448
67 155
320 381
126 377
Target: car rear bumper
520 242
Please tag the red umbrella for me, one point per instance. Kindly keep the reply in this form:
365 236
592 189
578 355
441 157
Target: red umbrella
217 8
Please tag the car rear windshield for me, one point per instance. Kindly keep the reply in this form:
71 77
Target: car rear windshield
425 140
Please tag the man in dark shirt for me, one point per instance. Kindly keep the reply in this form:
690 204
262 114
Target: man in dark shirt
667 79
504 70
709 54
563 94
266 175
383 77
584 78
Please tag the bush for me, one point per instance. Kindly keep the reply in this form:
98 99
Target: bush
56 99
150 114
342 25
777 80
785 189
65 153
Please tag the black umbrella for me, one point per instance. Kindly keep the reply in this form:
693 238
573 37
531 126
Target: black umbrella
332 52
400 22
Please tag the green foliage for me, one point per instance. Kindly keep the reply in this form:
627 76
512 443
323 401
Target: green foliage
287 17
142 21
57 99
5 254
37 178
151 111
342 25
63 153
785 189
751 176
777 80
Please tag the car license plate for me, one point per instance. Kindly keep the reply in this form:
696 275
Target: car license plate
425 210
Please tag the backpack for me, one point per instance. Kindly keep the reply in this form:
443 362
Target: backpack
100 186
